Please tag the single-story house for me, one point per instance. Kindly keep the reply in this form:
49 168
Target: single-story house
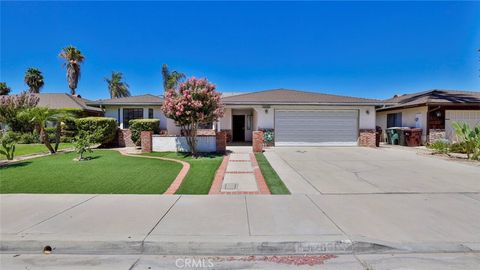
67 101
433 111
297 118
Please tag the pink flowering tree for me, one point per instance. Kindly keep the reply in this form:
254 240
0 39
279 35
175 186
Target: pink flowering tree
194 102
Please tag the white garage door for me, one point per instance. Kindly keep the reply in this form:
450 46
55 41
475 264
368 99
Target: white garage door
316 127
471 117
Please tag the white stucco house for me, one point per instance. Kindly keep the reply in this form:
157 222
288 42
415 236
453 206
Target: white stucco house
298 118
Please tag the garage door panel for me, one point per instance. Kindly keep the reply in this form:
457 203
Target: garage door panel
316 127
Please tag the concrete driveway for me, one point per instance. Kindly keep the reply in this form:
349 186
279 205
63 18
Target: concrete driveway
359 170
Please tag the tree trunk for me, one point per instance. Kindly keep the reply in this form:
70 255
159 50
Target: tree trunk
44 136
190 132
58 133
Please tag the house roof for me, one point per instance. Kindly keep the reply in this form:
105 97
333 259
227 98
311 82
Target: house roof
288 96
432 97
132 100
64 101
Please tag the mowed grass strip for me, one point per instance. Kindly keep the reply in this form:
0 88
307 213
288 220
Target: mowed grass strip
201 174
34 148
107 173
274 183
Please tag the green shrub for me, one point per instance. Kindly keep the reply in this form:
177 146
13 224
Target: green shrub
458 148
100 129
28 138
51 132
470 138
7 146
83 144
440 146
139 125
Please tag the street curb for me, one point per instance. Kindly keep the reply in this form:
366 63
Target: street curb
184 247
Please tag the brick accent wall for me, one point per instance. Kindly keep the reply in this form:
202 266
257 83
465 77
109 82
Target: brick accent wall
146 139
221 141
124 138
257 141
228 133
367 137
435 135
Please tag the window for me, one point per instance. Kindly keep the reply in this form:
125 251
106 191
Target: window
150 113
206 126
130 114
394 120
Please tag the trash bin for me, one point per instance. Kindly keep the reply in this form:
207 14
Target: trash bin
413 137
401 136
392 135
378 135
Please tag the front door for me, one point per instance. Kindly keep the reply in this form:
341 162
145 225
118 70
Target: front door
238 128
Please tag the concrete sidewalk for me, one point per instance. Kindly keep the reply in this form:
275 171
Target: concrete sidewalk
239 224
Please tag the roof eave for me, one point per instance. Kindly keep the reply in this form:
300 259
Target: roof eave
308 103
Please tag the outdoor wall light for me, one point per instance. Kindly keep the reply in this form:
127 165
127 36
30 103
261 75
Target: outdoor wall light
439 114
367 112
266 107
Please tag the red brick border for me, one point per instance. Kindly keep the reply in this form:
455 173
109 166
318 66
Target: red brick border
217 181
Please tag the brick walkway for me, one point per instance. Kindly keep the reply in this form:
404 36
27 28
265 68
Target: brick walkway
239 174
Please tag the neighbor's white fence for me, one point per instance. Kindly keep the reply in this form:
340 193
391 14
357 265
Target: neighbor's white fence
179 144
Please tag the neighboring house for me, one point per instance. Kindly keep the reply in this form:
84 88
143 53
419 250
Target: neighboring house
433 111
134 107
300 118
67 101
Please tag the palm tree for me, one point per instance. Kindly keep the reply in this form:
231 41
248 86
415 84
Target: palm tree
4 89
40 116
73 58
116 87
171 79
34 80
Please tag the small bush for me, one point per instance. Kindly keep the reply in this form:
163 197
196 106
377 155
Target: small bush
83 144
458 148
7 146
139 125
440 146
29 137
51 132
100 129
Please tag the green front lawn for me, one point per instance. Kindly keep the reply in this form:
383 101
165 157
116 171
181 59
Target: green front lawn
201 174
34 148
108 172
274 182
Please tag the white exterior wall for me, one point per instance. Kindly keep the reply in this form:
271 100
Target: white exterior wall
226 121
112 111
471 117
265 119
206 144
409 116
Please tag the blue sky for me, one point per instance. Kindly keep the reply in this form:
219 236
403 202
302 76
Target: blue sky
372 49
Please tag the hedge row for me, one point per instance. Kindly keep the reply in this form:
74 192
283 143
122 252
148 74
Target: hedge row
101 129
139 125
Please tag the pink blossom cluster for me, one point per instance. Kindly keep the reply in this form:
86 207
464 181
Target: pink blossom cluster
195 101
20 101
